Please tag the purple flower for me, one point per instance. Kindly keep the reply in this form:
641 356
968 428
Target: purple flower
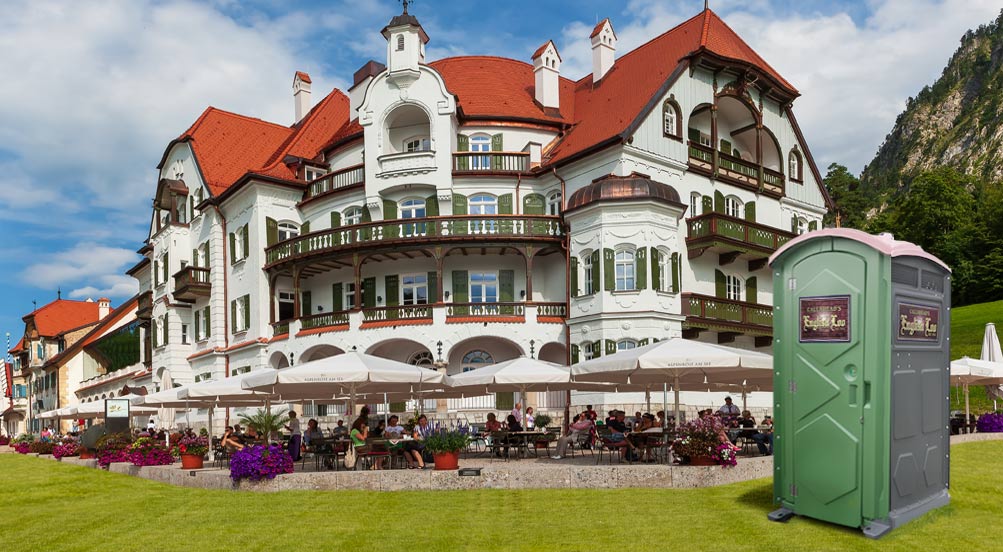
260 462
990 423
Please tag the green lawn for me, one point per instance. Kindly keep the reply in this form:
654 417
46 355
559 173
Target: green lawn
52 506
968 325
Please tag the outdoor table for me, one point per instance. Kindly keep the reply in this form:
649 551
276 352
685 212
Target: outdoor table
523 438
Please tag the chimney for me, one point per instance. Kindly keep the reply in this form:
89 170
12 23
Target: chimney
547 70
603 49
104 307
301 94
361 80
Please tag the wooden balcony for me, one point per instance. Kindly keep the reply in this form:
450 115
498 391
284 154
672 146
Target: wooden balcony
374 316
190 283
333 182
400 233
324 320
727 317
144 309
735 170
465 311
280 328
551 312
732 238
490 162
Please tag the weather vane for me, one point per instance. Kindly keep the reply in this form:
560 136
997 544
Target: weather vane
406 2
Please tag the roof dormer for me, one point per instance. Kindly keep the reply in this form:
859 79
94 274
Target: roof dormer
406 41
547 70
603 49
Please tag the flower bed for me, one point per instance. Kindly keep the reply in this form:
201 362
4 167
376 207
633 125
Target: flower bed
69 448
4 440
113 448
191 443
260 462
22 448
991 422
42 447
148 452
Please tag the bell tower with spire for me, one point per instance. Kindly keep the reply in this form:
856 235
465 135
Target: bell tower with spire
405 48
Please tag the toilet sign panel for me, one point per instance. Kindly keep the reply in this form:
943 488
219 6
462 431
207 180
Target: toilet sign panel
918 323
825 319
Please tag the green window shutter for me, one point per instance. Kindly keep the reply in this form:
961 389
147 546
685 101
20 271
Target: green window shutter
271 231
198 325
675 273
575 354
506 286
167 331
750 290
461 286
432 206
305 228
708 204
610 347
389 209
366 215
208 261
496 145
234 328
608 261
694 135
195 257
154 330
794 225
505 204
167 266
462 144
718 202
574 277
337 297
191 207
642 342
208 322
369 292
597 349
505 401
596 282
233 248
750 211
812 226
725 147
433 287
719 285
459 204
245 241
247 312
391 284
335 219
656 270
534 204
306 303
156 273
640 268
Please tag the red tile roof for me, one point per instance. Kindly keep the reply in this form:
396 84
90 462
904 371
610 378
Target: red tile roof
539 51
19 347
598 28
303 76
719 38
63 314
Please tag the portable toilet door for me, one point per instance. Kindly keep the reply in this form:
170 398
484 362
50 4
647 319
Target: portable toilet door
826 341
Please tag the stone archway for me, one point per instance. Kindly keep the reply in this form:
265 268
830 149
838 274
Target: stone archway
318 352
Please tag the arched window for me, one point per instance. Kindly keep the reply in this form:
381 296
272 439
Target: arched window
400 42
421 358
554 203
625 344
352 215
480 142
475 359
672 121
733 206
696 205
418 143
664 261
482 204
733 287
412 208
795 166
624 270
288 230
590 285
802 226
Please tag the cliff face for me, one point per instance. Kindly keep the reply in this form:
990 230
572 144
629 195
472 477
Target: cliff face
957 122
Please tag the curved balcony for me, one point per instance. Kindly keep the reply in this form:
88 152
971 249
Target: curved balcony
732 237
727 317
734 170
336 181
190 283
399 233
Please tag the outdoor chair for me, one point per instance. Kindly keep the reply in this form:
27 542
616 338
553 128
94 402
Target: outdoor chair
375 452
582 442
221 456
499 444
607 444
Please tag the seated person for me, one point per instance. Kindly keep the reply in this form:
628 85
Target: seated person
381 426
728 409
748 423
492 424
413 449
513 424
340 430
394 430
250 436
582 424
230 440
649 424
359 434
312 432
619 430
764 439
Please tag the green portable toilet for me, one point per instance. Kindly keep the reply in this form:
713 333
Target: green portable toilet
861 364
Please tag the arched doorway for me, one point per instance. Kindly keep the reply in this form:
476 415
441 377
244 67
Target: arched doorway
318 352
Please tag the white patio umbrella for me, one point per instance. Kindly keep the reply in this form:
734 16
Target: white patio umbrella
95 409
679 362
991 351
967 371
348 374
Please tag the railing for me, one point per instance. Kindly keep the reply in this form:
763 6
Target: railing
280 327
144 307
495 161
191 276
485 310
773 180
552 309
324 320
716 308
750 233
400 312
337 180
701 152
454 227
735 167
412 161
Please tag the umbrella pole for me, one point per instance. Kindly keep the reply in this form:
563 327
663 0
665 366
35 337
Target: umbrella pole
647 397
386 410
744 397
675 388
665 405
212 450
967 410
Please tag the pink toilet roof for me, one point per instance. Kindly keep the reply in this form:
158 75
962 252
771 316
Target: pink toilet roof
884 243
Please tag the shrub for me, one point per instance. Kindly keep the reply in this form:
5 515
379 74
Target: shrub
113 447
4 440
148 452
42 447
991 422
446 441
70 448
24 438
22 448
260 462
542 421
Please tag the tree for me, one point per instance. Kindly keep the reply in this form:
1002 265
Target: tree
844 189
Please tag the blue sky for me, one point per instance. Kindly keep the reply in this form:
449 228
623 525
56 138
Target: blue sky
93 91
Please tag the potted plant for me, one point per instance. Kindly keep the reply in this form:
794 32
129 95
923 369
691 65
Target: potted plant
192 449
260 462
266 423
542 421
697 442
42 447
445 447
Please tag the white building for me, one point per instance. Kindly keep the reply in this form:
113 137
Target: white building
472 209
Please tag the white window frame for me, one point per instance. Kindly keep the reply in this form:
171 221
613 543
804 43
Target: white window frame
696 204
485 205
802 225
184 334
588 284
239 323
408 208
312 173
586 351
628 281
664 266
487 275
480 143
203 330
414 282
625 345
416 143
352 215
733 287
669 120
286 296
289 229
349 301
733 206
554 203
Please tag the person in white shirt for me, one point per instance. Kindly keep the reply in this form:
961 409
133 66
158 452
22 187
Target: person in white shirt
581 424
729 409
394 429
530 420
296 438
151 426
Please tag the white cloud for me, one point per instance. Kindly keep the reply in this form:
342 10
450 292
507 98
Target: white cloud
114 286
86 261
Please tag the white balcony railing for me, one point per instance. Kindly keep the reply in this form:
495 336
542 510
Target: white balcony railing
413 162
